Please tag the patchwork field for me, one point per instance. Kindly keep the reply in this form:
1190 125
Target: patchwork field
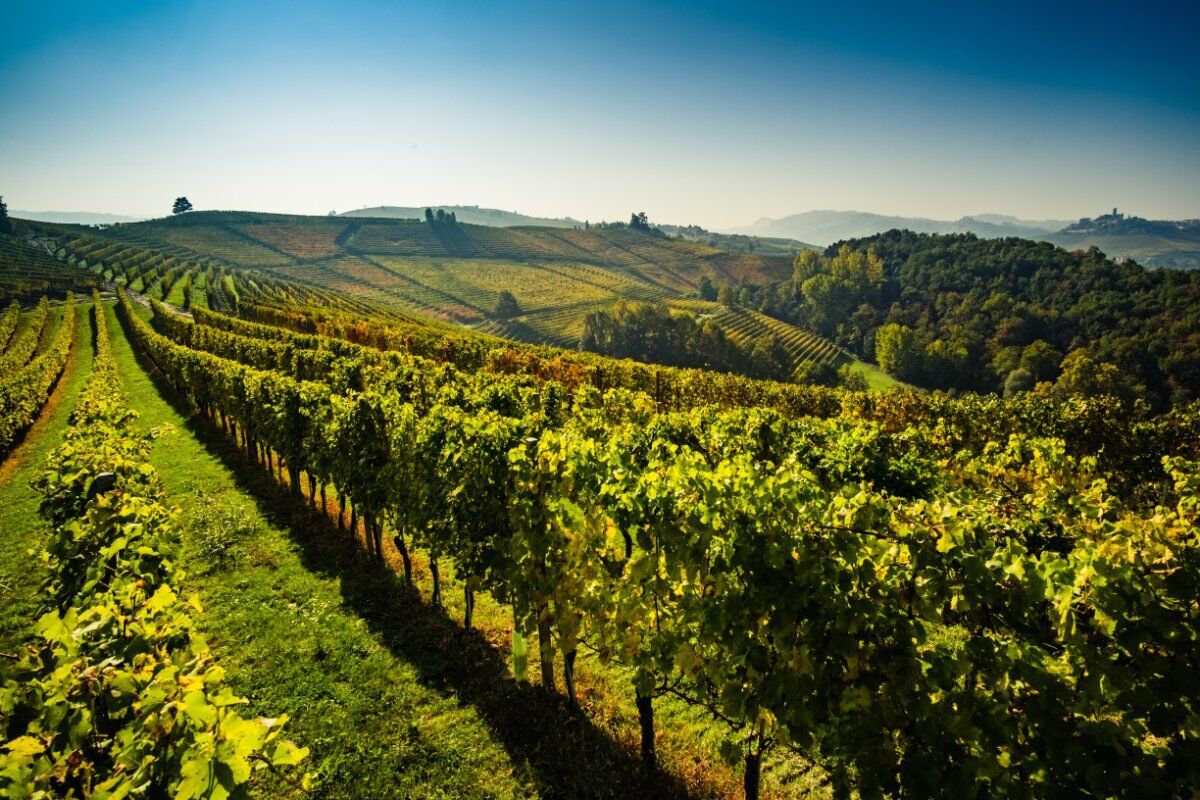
452 272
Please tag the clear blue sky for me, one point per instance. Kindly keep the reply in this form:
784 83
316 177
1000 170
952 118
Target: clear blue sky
707 113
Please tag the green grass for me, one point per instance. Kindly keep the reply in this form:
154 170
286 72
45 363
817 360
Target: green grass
23 529
877 379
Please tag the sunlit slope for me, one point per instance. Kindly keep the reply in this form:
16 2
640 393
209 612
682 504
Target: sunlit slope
453 271
234 258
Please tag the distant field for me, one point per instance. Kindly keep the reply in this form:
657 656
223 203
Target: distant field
449 272
745 326
452 273
1179 251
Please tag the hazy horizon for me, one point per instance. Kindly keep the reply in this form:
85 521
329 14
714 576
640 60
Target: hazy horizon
709 114
746 223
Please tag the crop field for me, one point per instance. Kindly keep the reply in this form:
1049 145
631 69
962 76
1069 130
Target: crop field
298 241
448 273
453 273
26 268
224 243
746 326
712 435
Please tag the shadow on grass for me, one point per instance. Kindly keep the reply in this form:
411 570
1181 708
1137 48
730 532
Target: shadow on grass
569 755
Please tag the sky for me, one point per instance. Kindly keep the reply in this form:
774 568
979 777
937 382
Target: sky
715 114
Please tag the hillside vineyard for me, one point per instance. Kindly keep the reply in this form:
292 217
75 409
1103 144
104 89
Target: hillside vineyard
970 575
777 401
451 272
809 591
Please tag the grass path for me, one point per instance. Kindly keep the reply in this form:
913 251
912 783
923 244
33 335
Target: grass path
279 620
20 526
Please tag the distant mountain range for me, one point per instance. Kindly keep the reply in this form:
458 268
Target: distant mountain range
471 215
74 217
826 227
736 242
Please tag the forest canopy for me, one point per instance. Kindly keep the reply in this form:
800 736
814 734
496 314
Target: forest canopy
1000 315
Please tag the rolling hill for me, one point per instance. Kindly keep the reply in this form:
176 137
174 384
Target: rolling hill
450 272
738 242
1152 243
75 217
472 215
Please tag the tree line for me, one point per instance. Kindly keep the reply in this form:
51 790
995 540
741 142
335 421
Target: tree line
651 332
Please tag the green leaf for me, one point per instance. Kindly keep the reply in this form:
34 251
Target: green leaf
288 754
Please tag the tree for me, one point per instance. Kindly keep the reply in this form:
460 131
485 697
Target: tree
441 215
1041 360
806 264
506 305
1083 375
898 351
5 224
639 221
852 379
770 358
1019 380
429 215
707 290
182 206
815 373
727 296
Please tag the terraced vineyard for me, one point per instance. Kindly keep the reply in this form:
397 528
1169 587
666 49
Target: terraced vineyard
454 273
747 326
27 269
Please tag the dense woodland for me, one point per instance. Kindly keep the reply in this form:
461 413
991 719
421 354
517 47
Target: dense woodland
651 333
999 315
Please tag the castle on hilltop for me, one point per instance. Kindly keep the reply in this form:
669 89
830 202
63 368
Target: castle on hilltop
1104 219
